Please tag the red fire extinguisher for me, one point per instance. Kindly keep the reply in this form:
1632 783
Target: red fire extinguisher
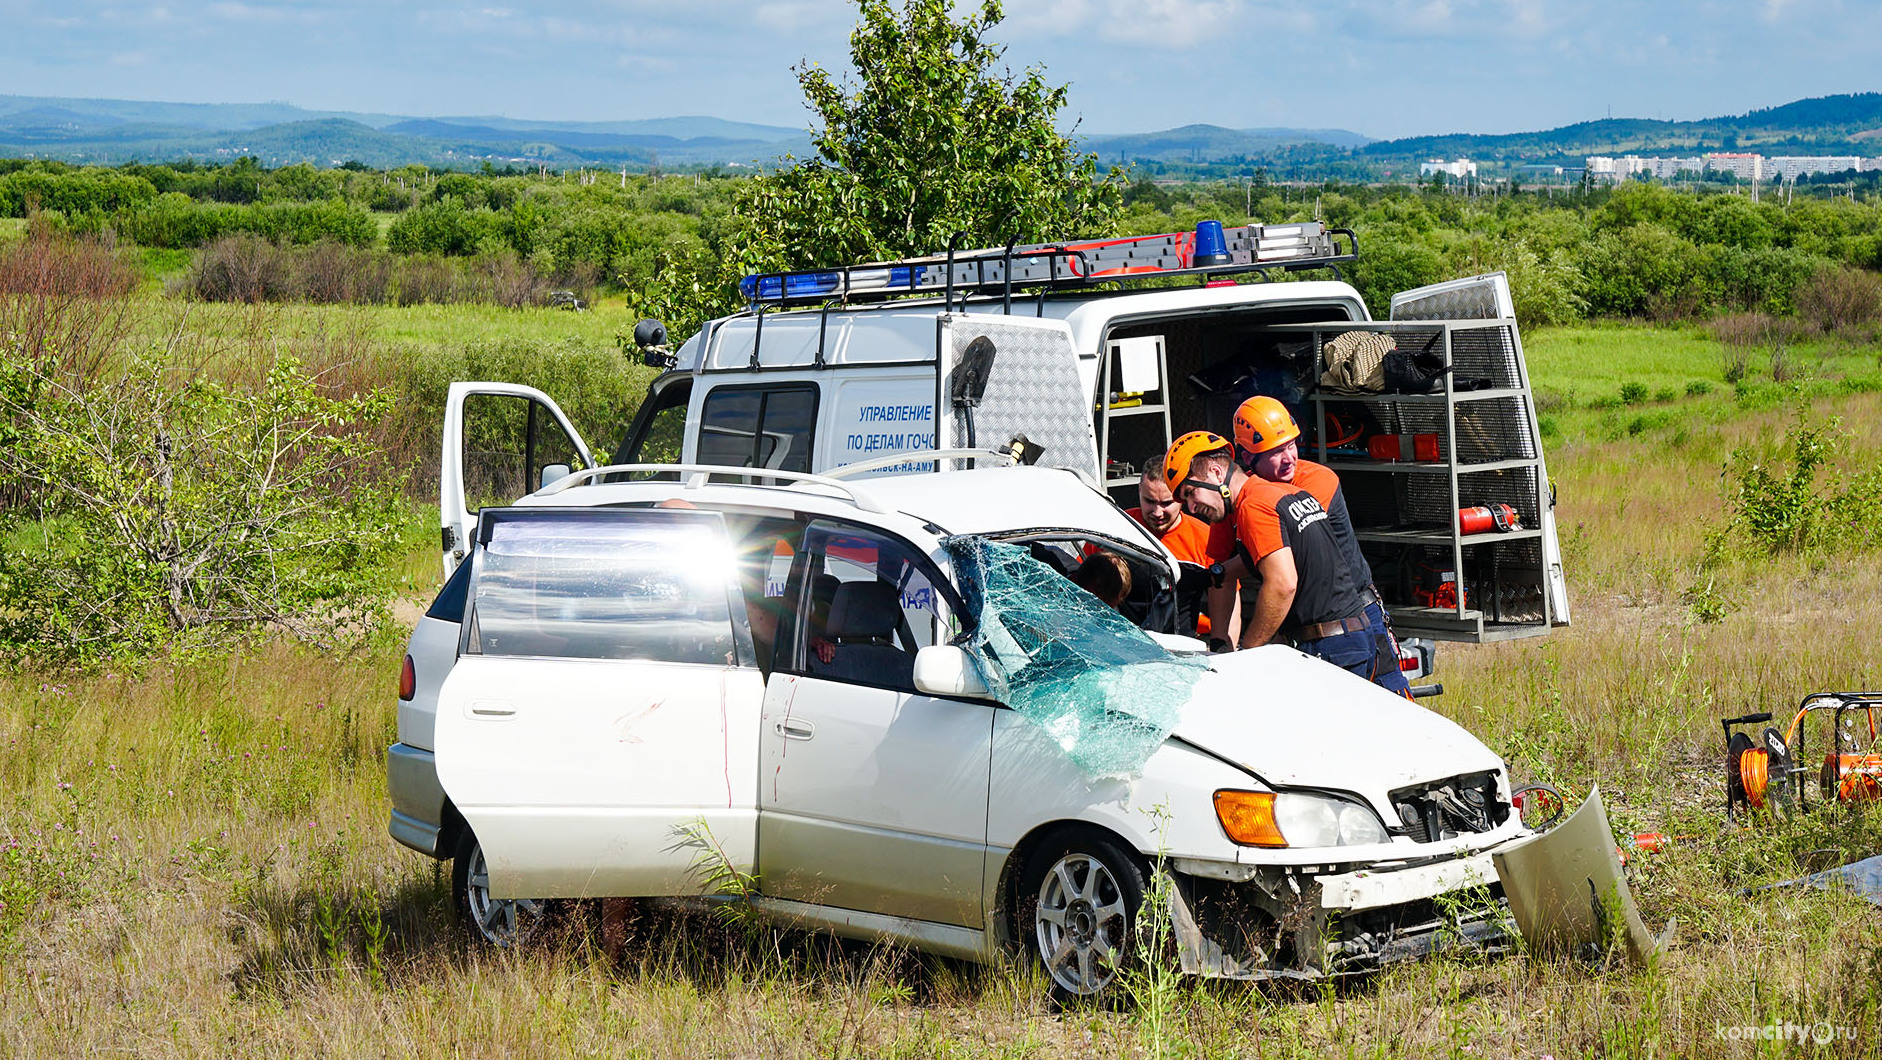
1488 517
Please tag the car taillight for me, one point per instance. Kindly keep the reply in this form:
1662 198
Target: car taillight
1408 662
408 679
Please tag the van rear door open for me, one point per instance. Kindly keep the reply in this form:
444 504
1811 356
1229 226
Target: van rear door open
1488 297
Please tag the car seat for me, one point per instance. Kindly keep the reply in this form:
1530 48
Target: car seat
863 620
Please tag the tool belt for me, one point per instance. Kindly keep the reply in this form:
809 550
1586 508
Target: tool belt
1323 630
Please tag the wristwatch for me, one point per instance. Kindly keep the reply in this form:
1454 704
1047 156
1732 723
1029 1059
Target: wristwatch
1216 574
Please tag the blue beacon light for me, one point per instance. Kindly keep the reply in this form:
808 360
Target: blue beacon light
1211 246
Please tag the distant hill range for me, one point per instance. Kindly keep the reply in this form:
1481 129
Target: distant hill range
1826 125
113 131
1212 143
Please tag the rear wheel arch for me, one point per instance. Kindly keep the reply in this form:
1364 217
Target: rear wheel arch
450 827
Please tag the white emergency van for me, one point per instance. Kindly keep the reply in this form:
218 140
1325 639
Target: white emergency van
1100 354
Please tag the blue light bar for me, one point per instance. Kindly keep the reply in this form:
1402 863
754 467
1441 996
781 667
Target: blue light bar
772 287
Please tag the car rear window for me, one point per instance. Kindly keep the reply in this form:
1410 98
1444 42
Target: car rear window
449 606
647 585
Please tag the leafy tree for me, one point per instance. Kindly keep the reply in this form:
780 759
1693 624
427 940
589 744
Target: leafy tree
934 143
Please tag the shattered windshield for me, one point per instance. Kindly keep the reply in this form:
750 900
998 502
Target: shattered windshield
1096 684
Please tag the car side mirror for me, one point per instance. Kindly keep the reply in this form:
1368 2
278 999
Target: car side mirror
946 670
553 473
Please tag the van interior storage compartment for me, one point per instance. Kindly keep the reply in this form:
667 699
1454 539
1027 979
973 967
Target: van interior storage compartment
1409 462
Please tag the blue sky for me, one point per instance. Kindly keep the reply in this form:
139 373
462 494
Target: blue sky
1384 68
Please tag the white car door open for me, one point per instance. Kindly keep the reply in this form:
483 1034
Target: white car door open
599 732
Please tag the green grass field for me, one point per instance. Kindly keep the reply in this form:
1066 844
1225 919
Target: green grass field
193 857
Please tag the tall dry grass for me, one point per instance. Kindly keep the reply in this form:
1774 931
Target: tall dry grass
195 863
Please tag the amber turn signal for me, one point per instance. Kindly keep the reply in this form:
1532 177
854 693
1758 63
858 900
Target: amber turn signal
1248 818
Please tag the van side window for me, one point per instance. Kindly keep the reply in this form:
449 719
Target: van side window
769 427
508 441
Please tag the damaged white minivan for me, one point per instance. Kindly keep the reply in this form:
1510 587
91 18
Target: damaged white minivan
887 702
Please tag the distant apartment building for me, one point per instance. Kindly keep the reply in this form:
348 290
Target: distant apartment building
1745 166
1790 167
1461 168
1601 167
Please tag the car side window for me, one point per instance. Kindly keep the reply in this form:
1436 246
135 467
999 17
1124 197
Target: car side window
766 549
606 584
868 603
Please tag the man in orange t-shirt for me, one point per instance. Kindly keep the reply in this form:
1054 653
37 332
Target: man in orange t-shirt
1314 585
1186 536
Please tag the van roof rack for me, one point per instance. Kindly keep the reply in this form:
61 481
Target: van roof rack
1209 251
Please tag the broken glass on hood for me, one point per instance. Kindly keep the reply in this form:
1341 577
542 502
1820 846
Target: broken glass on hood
1100 687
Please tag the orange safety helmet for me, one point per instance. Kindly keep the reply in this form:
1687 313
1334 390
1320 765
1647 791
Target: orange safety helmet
1261 424
1184 451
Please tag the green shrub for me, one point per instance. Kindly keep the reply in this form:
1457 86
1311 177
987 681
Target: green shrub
1643 270
1698 388
176 220
1759 279
1633 393
171 512
443 227
1393 260
101 191
1802 501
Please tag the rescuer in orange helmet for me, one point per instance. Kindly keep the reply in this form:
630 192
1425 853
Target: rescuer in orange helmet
1209 502
1186 536
1290 522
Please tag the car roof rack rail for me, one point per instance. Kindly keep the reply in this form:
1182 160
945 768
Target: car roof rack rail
876 463
1208 252
697 476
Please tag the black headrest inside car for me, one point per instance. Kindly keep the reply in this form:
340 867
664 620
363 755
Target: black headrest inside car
865 609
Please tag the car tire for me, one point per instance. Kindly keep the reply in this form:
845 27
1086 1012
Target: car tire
1078 902
499 923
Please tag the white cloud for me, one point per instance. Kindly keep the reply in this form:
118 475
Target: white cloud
792 19
235 12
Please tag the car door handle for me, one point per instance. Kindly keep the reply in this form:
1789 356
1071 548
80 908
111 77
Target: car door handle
492 708
795 730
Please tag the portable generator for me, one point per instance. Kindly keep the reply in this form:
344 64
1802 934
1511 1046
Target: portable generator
1772 770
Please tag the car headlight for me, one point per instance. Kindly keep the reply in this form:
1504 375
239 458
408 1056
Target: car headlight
1293 819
